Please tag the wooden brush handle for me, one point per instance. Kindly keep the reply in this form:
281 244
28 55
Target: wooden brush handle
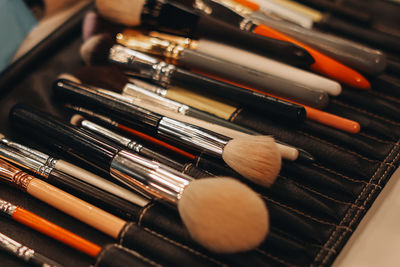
81 210
48 228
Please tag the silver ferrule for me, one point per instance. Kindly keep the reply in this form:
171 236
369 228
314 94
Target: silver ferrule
7 208
150 177
200 5
149 87
27 151
16 248
119 139
162 102
199 138
25 161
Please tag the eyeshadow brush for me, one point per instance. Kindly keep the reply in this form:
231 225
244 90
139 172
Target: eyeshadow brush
104 256
100 49
142 97
175 17
260 153
25 253
237 222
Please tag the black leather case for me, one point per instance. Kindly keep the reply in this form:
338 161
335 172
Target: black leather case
314 208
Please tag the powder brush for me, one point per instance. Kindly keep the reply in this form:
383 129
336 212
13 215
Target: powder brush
204 63
25 253
224 228
260 153
237 14
103 255
175 17
100 49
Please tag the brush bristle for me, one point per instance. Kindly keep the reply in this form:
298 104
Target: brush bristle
76 120
2 136
96 49
69 77
255 157
224 215
126 12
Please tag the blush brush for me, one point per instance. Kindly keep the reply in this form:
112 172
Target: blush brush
237 221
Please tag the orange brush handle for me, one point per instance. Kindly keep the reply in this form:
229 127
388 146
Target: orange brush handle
323 64
253 6
38 223
317 115
153 140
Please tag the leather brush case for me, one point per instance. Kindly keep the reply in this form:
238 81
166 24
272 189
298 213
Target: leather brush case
313 208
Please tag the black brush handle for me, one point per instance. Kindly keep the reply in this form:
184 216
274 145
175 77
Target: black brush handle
33 120
269 105
82 94
38 259
380 40
178 19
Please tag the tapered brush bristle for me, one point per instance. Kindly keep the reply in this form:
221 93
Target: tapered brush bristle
255 157
76 120
224 215
70 77
126 12
96 49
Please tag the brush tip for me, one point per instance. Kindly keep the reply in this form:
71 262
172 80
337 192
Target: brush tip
256 158
76 120
69 77
125 12
224 215
2 136
95 50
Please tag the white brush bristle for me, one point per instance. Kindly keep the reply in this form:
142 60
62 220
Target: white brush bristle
125 12
69 77
224 215
255 157
76 120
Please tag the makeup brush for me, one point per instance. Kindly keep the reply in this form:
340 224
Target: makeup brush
60 170
201 62
176 18
323 64
263 160
104 255
151 101
238 220
101 49
25 253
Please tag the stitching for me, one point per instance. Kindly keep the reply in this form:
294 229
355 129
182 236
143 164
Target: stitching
177 244
138 255
143 212
391 98
235 114
302 213
186 167
339 174
378 139
197 162
124 231
101 255
338 147
348 214
275 258
366 112
319 193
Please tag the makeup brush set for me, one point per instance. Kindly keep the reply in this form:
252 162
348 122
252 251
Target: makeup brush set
199 133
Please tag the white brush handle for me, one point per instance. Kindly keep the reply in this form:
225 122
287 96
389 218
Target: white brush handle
101 183
266 65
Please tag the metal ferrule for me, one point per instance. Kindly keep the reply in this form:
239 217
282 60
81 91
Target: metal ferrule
16 248
25 161
165 103
182 41
14 176
7 208
200 5
119 139
196 137
27 151
148 86
146 66
149 44
148 176
246 24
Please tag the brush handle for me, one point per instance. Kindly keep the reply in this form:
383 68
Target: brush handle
252 99
255 79
175 17
375 38
27 118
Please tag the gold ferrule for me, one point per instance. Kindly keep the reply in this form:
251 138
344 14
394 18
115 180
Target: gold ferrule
14 176
182 41
149 44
